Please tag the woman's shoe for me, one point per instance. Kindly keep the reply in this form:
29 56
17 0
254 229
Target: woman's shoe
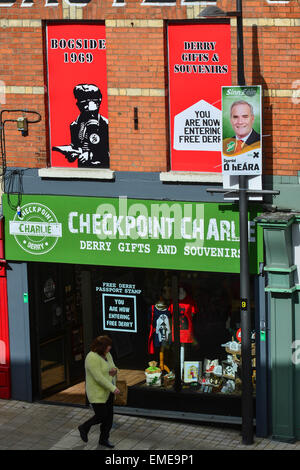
106 444
83 434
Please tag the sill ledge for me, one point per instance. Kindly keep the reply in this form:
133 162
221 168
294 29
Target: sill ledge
190 177
76 173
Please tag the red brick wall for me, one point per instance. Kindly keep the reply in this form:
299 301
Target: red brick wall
144 149
136 62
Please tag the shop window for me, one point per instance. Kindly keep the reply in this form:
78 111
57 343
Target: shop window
165 354
135 307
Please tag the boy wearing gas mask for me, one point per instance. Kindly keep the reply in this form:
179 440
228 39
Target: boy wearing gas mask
89 132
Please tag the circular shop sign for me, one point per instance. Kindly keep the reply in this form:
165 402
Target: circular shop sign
36 230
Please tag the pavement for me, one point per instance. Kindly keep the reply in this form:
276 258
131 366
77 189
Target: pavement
40 426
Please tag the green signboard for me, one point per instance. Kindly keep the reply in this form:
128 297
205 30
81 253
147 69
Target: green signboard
129 232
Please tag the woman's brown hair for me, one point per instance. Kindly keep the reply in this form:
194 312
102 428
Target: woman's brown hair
99 345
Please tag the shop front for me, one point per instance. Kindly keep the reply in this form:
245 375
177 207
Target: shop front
160 278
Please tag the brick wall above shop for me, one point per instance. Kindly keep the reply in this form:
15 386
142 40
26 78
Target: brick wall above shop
137 77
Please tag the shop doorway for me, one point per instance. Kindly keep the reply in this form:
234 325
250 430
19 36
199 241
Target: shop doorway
56 331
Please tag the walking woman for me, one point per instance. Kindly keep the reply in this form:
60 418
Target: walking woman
100 371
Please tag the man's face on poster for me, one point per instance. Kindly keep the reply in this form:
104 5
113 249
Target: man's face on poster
241 119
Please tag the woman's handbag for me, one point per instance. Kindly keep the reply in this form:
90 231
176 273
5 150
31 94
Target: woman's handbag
121 398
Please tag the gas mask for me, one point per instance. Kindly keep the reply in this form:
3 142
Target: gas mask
89 134
89 108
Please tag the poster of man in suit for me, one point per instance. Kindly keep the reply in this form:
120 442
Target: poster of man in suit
241 130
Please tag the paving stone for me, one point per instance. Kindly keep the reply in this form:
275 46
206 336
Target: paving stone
35 426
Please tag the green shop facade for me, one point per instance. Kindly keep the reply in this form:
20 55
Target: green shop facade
115 257
281 240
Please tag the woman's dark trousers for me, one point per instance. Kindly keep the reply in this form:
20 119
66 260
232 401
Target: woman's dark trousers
103 416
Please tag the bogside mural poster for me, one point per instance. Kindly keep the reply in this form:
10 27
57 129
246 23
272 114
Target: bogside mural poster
199 62
241 130
77 95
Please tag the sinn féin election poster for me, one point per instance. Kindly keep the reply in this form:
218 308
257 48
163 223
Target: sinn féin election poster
241 130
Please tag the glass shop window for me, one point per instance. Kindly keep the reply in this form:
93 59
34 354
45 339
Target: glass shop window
135 308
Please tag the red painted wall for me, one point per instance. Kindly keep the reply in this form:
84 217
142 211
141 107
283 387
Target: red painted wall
4 331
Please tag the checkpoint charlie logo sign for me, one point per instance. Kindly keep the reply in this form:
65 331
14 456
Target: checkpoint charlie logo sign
36 230
199 65
129 232
241 130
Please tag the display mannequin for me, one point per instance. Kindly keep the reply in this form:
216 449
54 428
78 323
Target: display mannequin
160 330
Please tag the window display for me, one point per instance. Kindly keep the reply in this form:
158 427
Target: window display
176 335
209 330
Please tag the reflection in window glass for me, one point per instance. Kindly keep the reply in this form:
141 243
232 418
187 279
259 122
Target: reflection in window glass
52 363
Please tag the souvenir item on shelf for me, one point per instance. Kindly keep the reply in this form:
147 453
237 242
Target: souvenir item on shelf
218 371
169 379
228 370
206 386
232 347
153 374
229 367
228 387
191 371
215 381
210 365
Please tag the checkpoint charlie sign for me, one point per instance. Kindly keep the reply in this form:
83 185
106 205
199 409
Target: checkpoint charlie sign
129 232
